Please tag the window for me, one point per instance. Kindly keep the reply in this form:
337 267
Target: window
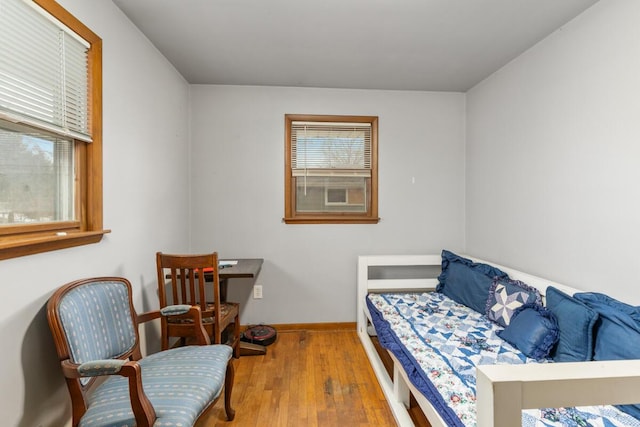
336 196
331 170
50 129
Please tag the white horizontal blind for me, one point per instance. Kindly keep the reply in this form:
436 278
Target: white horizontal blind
43 72
331 149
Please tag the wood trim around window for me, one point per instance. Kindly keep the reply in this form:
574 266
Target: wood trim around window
293 217
17 241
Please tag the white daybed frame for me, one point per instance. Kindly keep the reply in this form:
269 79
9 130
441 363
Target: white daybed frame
502 391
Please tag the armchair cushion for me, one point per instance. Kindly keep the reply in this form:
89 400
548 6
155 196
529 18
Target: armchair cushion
172 310
179 383
108 301
101 367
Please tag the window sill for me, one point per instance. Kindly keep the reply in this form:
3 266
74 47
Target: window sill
338 219
45 243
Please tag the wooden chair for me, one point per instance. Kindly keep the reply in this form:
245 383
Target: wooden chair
95 329
180 282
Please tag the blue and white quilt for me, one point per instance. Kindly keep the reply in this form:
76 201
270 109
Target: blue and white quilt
439 342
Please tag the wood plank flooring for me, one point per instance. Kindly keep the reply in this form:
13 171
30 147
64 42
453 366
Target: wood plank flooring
307 378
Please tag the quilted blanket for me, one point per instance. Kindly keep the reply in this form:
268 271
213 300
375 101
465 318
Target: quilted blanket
440 342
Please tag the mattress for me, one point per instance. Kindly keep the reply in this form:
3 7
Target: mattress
439 342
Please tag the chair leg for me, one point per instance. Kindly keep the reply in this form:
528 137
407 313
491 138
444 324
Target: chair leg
217 334
236 337
164 337
228 388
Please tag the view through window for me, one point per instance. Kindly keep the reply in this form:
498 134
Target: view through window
36 177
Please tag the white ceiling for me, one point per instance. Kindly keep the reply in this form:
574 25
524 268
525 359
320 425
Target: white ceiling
440 45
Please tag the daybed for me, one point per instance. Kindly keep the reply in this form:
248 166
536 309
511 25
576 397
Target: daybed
543 359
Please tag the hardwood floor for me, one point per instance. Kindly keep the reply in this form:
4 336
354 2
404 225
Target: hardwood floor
307 378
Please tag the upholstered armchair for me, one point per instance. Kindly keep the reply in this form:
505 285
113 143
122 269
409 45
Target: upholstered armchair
95 329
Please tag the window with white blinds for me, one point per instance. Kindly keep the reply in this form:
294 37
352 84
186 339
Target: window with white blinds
330 149
331 169
43 71
50 129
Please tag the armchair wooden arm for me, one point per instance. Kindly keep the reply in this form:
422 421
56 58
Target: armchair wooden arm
143 411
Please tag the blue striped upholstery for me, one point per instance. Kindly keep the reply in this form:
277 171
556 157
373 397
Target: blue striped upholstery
97 321
180 383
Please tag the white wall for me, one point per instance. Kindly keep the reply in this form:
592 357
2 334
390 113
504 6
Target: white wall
553 156
310 270
145 160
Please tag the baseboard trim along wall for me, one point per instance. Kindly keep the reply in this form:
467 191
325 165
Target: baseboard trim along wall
329 326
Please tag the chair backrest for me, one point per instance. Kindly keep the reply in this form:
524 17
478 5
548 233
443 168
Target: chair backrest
180 279
94 319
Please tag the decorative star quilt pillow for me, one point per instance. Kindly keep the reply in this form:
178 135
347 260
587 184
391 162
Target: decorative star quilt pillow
505 296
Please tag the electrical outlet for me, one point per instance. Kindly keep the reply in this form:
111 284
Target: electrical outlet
257 291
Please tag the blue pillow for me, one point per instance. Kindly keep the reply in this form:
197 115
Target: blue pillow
576 322
505 296
618 323
533 330
617 332
465 281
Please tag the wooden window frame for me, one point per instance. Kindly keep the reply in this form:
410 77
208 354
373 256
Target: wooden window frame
291 216
21 240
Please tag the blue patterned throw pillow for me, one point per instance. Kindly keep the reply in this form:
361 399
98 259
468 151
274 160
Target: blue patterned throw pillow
505 296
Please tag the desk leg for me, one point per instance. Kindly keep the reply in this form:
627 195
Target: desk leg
223 290
246 349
